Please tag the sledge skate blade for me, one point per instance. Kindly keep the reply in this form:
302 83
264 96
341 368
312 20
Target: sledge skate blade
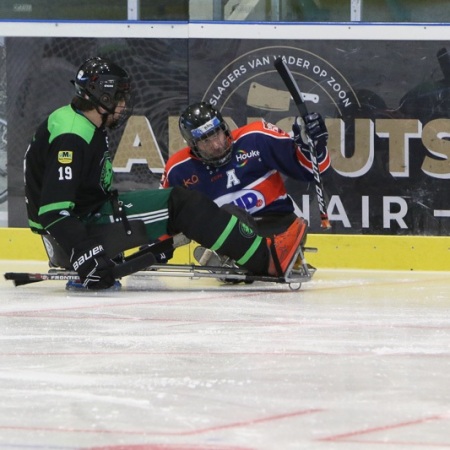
217 264
196 272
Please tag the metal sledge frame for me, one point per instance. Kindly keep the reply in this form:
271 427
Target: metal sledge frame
294 278
143 264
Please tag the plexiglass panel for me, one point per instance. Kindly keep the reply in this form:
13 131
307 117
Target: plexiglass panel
230 10
406 11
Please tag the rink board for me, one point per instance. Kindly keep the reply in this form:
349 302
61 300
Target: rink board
334 250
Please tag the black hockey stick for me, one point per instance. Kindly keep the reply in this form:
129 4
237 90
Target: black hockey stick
22 278
296 94
135 262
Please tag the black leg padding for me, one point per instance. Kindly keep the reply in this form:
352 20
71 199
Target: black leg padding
201 220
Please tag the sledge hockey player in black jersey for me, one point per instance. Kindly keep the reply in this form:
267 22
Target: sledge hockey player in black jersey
86 224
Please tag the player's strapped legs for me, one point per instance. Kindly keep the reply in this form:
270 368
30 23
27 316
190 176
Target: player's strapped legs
201 220
112 236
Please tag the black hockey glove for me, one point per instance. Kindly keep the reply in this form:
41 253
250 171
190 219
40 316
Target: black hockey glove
93 267
311 125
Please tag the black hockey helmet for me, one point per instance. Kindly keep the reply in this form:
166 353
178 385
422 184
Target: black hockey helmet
105 84
199 122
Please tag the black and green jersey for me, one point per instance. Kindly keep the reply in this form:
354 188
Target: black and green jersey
68 177
68 174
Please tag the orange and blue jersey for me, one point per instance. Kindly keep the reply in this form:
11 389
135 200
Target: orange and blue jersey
253 178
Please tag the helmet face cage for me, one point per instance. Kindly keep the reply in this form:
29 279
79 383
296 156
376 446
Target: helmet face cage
106 85
199 122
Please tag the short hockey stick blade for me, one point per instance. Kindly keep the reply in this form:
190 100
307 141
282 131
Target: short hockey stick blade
23 278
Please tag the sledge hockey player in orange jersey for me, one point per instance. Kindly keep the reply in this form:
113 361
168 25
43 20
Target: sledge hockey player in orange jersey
242 170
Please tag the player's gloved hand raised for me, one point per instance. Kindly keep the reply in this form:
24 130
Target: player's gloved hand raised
93 267
311 125
316 128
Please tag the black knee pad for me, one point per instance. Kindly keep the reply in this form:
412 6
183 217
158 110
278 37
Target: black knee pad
57 257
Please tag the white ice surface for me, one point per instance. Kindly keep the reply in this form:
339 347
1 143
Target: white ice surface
355 360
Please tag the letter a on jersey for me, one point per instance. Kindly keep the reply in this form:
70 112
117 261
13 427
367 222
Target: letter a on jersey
232 179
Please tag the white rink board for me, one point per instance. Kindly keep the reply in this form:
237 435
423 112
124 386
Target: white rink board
225 30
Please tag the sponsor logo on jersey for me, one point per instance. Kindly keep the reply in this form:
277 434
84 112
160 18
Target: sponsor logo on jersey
245 230
242 156
106 175
190 181
250 200
65 156
216 177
